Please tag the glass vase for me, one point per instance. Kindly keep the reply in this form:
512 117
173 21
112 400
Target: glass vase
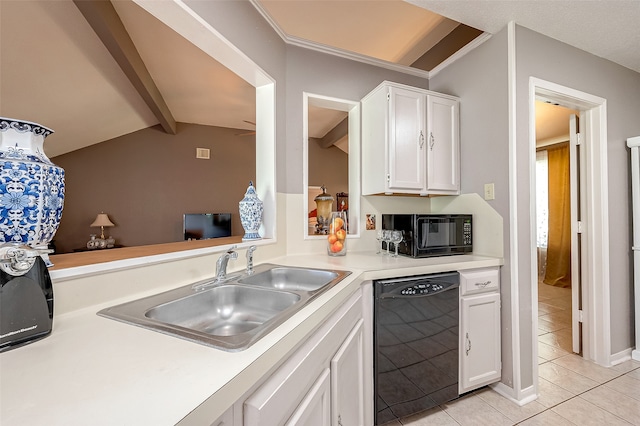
337 238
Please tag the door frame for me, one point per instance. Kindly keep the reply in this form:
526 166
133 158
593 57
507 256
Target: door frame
578 258
595 270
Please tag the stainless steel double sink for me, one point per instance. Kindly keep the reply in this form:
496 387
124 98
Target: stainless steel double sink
229 314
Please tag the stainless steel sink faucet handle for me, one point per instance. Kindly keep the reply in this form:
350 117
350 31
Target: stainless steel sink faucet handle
250 251
221 265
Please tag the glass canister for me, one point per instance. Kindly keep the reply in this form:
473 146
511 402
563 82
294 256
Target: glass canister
337 239
324 203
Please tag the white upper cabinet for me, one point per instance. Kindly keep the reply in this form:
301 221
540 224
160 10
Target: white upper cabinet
443 157
406 140
410 142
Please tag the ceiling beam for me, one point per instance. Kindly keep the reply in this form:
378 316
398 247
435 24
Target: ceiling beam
106 23
451 43
335 134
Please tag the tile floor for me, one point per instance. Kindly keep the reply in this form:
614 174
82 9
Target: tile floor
572 391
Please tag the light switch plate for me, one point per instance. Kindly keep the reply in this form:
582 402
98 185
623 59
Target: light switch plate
489 193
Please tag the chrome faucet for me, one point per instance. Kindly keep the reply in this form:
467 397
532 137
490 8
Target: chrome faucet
250 251
221 264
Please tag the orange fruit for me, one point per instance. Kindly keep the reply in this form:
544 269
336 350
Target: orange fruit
332 238
341 234
338 223
336 247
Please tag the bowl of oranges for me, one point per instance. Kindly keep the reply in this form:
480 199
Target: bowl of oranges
337 238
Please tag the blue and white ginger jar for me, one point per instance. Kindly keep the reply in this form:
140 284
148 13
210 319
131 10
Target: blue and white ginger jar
31 186
251 209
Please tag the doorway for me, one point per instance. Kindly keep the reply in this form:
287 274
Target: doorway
593 250
558 263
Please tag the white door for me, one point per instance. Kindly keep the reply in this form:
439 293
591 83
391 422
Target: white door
576 165
480 360
314 410
407 156
347 380
442 145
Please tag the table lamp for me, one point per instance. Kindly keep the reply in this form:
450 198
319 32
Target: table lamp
102 220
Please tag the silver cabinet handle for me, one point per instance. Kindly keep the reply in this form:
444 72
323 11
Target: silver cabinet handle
468 345
339 420
421 139
483 285
432 141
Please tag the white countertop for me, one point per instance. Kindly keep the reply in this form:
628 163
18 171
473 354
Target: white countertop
94 370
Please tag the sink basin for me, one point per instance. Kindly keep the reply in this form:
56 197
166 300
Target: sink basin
229 315
296 279
226 310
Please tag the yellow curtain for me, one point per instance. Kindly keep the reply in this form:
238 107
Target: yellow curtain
558 271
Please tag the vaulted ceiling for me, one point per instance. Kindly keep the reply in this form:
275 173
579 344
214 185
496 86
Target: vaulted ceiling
55 70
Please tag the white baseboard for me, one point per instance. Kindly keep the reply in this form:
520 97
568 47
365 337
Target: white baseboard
623 356
526 395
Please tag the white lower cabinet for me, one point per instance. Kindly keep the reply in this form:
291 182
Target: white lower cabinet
480 360
315 408
226 419
347 380
322 382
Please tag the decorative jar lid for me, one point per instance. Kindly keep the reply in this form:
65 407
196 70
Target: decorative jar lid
251 193
324 196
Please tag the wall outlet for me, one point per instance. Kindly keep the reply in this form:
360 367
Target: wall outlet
489 192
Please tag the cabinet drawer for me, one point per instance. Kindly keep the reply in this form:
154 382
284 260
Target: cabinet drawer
479 280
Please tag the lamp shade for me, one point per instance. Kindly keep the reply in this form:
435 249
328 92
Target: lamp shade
102 220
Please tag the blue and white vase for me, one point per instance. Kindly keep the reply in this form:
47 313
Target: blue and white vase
31 186
251 210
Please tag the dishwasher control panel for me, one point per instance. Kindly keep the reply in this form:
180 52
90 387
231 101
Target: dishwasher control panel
423 288
422 285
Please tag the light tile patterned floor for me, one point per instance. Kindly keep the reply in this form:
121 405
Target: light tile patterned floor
572 391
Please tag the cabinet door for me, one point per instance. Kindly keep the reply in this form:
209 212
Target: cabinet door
479 341
407 157
295 388
443 151
225 420
347 380
314 410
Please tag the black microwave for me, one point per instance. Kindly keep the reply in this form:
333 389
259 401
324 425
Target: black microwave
426 235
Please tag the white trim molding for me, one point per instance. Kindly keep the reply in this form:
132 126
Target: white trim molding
525 395
460 53
513 217
341 53
595 276
634 146
622 356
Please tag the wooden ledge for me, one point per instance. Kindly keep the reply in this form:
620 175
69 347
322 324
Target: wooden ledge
70 260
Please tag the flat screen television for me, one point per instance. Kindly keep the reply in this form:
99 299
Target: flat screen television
201 226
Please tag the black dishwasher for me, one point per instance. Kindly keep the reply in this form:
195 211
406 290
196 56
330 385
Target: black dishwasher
415 344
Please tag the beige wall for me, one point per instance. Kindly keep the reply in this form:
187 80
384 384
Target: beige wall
145 181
